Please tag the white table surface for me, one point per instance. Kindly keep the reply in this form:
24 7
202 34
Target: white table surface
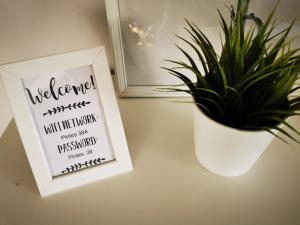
167 186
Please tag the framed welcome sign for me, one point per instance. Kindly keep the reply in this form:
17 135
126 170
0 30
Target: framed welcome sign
68 118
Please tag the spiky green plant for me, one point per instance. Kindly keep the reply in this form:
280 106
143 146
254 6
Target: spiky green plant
249 85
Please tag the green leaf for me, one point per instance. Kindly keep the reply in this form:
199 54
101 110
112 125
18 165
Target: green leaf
201 58
286 134
236 105
279 120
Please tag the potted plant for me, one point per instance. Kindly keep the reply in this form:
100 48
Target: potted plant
243 95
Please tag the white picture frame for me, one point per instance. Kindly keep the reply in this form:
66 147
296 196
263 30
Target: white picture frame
124 89
5 113
12 75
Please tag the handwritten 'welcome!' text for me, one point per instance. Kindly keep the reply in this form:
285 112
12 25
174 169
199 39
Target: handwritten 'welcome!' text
56 92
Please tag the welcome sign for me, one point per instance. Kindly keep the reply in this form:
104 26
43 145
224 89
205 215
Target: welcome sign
68 116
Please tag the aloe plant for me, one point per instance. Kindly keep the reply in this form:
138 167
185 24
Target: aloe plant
249 85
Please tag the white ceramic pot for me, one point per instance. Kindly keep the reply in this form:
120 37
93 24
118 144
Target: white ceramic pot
224 150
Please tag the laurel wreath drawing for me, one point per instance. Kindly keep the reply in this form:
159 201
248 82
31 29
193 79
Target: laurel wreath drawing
79 166
62 108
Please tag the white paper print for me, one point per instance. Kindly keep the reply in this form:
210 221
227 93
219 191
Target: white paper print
69 119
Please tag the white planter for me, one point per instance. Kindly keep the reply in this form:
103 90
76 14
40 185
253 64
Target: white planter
224 150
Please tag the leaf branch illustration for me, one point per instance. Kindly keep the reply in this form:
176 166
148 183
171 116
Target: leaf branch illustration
62 108
78 166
